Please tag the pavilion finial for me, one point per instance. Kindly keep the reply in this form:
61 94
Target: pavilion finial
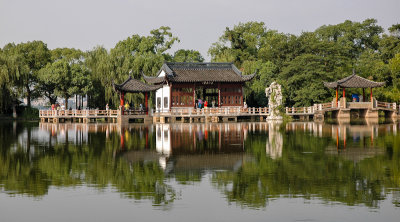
354 71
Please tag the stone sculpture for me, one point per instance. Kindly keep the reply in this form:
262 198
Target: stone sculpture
274 94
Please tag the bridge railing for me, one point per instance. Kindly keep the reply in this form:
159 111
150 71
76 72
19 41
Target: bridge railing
77 113
220 111
300 110
386 105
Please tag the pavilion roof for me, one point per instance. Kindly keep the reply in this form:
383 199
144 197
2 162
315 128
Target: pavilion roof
199 72
154 79
353 81
135 86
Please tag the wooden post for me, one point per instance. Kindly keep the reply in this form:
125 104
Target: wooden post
121 100
146 104
242 96
170 97
371 94
344 92
337 95
194 95
219 95
363 94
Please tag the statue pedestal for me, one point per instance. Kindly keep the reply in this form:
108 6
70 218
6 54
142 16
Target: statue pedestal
274 118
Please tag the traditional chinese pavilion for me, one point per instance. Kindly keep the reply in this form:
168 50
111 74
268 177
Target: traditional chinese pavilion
132 85
353 81
183 84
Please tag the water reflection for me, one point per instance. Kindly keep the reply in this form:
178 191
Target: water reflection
274 142
249 163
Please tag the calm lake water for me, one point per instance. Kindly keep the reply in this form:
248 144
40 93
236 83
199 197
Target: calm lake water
200 172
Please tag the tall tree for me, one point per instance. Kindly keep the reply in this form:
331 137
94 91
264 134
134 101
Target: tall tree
24 61
59 74
132 56
183 55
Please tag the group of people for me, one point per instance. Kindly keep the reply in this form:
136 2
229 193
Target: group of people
200 104
128 107
57 106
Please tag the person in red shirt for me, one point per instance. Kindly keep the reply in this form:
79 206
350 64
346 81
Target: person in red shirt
205 104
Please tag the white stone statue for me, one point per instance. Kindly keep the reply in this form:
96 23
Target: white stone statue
274 94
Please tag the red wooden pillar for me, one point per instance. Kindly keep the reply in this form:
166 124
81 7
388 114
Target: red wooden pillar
242 96
121 100
344 92
194 95
219 95
146 103
371 94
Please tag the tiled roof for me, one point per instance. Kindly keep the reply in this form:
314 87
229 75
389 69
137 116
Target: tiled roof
201 72
354 81
154 79
134 86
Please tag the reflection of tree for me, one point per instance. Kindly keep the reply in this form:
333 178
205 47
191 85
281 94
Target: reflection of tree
70 165
305 170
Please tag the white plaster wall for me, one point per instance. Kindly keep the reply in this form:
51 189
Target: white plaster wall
162 73
161 93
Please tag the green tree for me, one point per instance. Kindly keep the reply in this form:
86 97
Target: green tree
132 56
183 55
24 62
60 76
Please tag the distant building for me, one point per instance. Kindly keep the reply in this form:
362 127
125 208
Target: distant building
220 84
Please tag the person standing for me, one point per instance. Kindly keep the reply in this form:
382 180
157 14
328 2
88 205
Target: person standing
127 106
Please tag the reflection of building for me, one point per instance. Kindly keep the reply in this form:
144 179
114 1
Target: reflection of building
352 142
163 139
196 147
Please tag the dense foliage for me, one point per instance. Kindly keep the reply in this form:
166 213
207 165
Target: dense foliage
300 63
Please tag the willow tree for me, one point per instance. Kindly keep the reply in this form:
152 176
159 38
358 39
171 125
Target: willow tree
132 56
24 60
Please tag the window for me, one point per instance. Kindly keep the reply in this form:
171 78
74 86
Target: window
165 102
159 102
